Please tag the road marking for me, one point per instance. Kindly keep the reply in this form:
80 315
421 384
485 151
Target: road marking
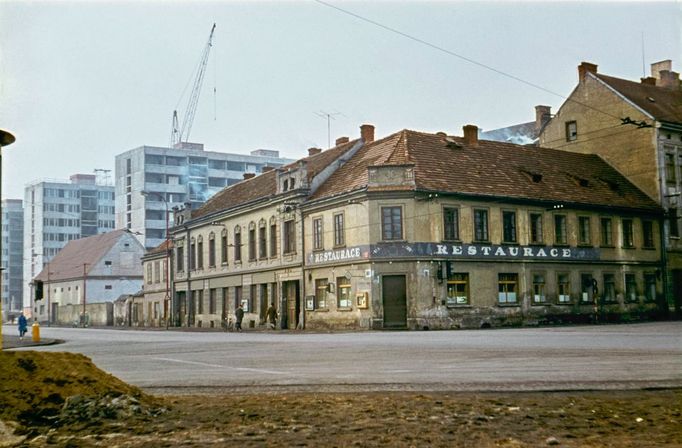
272 372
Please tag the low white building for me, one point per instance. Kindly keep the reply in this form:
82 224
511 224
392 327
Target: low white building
89 271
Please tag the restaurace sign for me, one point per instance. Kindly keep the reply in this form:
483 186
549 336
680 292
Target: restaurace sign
454 252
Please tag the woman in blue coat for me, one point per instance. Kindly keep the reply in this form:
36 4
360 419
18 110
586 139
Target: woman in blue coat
23 325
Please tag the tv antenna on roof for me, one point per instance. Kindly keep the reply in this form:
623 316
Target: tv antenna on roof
328 116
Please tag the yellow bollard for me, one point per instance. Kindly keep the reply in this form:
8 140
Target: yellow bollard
35 332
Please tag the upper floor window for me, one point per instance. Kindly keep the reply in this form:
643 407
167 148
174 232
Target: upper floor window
670 172
391 223
480 225
252 242
509 226
318 242
606 232
289 237
628 233
262 241
237 244
273 238
450 224
192 255
223 246
200 253
584 230
339 230
536 228
673 222
648 234
211 250
560 234
180 257
571 131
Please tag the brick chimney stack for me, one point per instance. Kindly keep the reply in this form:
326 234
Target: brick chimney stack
542 115
313 151
470 134
341 140
584 68
649 81
669 80
658 67
249 175
367 133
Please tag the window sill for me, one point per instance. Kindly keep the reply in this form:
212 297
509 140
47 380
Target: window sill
345 309
561 245
459 305
508 305
340 246
321 310
603 246
649 248
458 241
510 243
628 247
318 249
564 303
540 304
585 245
537 244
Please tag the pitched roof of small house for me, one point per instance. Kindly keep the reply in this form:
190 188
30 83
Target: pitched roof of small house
79 257
265 185
662 103
488 168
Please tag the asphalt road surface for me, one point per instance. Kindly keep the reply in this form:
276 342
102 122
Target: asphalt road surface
559 358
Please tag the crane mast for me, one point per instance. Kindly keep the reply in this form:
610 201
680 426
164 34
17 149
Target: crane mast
180 132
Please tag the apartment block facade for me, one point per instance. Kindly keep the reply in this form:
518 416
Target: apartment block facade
56 212
173 177
12 257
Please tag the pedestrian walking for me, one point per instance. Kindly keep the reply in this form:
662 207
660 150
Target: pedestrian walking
239 315
23 326
271 316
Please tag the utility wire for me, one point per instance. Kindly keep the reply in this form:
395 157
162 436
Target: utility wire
464 58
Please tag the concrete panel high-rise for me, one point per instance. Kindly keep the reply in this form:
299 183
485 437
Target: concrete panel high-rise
174 177
12 255
58 211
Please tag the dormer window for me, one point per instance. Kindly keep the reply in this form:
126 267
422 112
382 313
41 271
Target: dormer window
285 185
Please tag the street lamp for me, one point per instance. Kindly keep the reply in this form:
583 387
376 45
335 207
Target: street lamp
6 139
168 266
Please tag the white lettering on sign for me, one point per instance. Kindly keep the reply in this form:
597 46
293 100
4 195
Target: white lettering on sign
441 249
336 255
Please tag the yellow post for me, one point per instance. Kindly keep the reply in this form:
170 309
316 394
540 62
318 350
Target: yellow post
35 331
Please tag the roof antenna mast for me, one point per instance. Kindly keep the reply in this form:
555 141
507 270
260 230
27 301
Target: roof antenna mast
328 116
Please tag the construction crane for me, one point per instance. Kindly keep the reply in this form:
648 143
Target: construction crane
180 133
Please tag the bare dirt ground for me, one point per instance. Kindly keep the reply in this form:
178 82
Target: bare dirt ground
38 408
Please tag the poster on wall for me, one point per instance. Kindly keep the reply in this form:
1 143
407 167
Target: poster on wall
310 303
361 299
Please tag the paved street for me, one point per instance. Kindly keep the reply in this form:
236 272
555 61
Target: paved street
586 357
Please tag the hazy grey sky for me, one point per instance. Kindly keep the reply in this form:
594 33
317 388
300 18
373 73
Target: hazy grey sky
81 82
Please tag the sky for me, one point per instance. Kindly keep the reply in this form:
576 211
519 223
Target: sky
83 81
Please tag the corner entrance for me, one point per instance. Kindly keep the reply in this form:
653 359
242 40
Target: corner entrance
394 298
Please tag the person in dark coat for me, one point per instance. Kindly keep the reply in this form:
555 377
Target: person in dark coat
23 326
271 316
239 314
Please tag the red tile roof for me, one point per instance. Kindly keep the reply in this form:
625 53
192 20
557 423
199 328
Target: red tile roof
489 168
68 263
265 185
663 104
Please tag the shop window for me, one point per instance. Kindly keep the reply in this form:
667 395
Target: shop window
339 230
630 288
509 226
539 288
536 228
391 223
458 289
343 296
212 299
628 234
584 237
321 287
564 288
650 287
609 288
606 232
199 299
507 288
480 225
586 288
253 294
450 224
560 236
318 243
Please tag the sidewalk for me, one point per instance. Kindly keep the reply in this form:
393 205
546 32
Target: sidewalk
9 342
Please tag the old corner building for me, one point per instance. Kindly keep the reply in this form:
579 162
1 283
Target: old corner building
420 230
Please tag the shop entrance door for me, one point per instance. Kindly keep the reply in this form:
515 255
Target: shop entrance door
395 301
291 301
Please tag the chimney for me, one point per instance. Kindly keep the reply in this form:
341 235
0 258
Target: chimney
313 151
470 134
249 175
341 140
542 115
584 68
367 133
669 80
658 67
649 81
267 168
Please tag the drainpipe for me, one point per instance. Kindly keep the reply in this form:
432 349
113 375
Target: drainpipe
663 304
303 290
188 259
